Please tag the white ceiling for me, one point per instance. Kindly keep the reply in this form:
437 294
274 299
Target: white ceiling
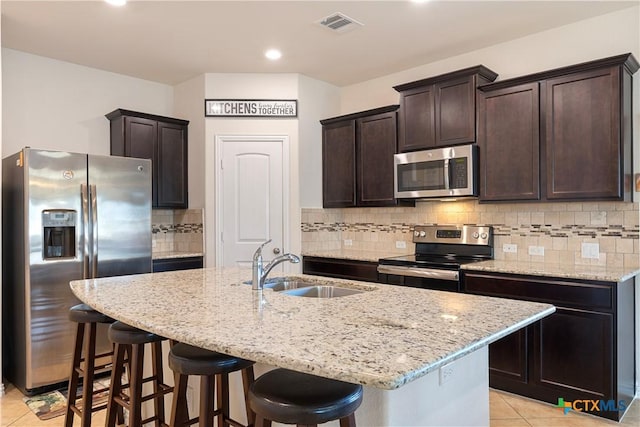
173 41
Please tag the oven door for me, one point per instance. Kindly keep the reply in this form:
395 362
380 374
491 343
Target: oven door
417 277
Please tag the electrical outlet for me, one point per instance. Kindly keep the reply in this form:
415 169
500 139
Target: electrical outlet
348 242
510 248
446 373
536 250
401 244
590 250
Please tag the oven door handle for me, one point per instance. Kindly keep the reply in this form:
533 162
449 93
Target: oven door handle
419 272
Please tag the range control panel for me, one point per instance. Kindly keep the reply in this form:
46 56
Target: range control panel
457 234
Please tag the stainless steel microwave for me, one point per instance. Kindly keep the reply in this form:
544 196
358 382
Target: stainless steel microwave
439 173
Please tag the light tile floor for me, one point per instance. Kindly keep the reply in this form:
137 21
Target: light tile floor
507 410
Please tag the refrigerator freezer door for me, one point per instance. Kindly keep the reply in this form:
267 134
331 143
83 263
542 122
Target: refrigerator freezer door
52 184
120 193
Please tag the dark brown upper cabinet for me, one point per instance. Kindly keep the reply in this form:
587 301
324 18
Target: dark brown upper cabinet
509 141
440 111
164 141
563 134
357 158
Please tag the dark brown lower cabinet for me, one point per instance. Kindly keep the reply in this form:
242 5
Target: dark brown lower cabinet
582 352
172 264
366 271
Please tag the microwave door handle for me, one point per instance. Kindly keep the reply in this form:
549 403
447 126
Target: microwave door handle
447 174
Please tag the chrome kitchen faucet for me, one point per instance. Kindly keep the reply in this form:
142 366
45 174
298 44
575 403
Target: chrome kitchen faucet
261 271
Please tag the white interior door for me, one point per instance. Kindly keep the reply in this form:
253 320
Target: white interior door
252 197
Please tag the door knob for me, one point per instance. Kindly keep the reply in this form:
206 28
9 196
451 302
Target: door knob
276 251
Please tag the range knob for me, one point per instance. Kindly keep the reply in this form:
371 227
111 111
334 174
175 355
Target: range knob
416 233
483 235
475 234
423 233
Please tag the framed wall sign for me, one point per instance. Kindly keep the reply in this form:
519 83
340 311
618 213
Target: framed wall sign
251 108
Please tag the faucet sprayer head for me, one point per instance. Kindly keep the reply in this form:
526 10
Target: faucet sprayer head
293 258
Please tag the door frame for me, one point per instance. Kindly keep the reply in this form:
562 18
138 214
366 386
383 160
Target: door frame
217 208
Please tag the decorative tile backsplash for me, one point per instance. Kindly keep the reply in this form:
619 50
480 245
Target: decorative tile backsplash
177 230
560 228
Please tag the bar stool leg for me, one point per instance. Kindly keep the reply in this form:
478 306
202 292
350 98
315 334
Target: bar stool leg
207 384
179 408
223 399
116 385
158 402
89 366
262 422
74 378
247 379
348 421
135 385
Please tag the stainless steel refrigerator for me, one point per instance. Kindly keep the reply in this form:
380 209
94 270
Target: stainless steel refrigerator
65 216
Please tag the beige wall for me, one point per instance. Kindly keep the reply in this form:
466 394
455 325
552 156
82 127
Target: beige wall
249 86
599 37
56 105
189 105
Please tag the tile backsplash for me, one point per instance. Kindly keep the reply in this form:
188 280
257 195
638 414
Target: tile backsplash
560 228
179 230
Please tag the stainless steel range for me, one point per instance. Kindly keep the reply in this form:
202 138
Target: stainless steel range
439 253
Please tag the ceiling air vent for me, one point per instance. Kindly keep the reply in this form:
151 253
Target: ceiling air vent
339 23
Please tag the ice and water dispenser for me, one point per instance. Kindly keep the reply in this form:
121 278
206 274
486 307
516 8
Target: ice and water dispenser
59 234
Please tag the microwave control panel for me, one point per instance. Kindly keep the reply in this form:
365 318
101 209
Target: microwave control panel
458 172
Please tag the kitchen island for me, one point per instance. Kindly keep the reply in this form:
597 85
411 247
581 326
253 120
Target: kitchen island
421 354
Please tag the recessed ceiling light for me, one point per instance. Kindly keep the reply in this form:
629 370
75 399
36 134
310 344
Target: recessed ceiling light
273 54
116 2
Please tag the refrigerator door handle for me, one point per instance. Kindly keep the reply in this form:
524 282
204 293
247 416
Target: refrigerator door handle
84 195
94 231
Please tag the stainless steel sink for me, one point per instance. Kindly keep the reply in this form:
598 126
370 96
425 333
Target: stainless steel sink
321 291
310 289
283 283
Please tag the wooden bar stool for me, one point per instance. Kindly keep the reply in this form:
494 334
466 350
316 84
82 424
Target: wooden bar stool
291 397
130 340
85 344
214 369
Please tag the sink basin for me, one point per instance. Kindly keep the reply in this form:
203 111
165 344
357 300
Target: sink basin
321 291
310 289
283 283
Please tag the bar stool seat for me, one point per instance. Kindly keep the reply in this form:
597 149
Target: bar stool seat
130 341
214 369
291 397
87 320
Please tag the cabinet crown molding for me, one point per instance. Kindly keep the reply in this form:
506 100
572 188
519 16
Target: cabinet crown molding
481 70
360 114
627 60
118 112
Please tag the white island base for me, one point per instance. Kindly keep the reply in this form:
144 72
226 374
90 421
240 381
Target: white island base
462 400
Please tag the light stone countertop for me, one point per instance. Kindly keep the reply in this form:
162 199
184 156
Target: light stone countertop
356 254
384 338
175 254
548 269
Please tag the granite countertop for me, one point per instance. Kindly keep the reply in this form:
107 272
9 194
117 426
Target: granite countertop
355 254
384 337
174 254
548 269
